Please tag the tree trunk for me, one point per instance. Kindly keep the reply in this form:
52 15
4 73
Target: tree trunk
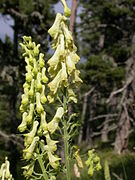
89 130
73 17
84 109
104 132
127 103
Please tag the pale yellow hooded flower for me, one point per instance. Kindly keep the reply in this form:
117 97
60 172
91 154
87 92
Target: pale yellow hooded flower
54 30
53 124
60 79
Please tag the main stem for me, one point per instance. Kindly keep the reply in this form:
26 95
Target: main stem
66 140
42 167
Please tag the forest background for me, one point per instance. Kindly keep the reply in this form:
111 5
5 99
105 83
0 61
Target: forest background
104 32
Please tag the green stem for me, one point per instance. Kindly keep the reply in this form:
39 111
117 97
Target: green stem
66 140
42 167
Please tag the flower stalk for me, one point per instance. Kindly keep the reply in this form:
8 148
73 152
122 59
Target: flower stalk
66 139
63 74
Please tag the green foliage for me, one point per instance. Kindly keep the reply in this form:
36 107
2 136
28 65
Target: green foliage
104 38
93 163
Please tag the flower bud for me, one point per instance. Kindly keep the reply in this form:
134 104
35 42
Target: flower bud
23 126
43 98
27 38
31 59
39 107
31 91
36 50
22 108
31 45
26 85
26 90
41 60
29 77
67 11
38 83
44 78
43 122
52 178
35 69
25 100
30 136
25 48
30 115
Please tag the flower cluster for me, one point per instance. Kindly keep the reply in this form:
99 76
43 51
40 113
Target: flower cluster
93 162
36 130
62 65
5 172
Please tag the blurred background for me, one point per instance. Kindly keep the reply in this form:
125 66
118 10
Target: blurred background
104 32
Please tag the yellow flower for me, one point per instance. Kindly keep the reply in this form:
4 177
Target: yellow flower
67 34
53 160
51 143
71 95
28 170
75 77
38 82
35 69
60 79
30 115
30 136
44 78
7 173
62 44
43 97
41 60
31 91
54 30
70 64
55 59
53 124
23 126
51 97
36 50
79 161
39 107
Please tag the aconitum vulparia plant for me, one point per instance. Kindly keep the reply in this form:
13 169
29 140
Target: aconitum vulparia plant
39 132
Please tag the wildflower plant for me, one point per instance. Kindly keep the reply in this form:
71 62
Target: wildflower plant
38 143
64 76
5 171
93 162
